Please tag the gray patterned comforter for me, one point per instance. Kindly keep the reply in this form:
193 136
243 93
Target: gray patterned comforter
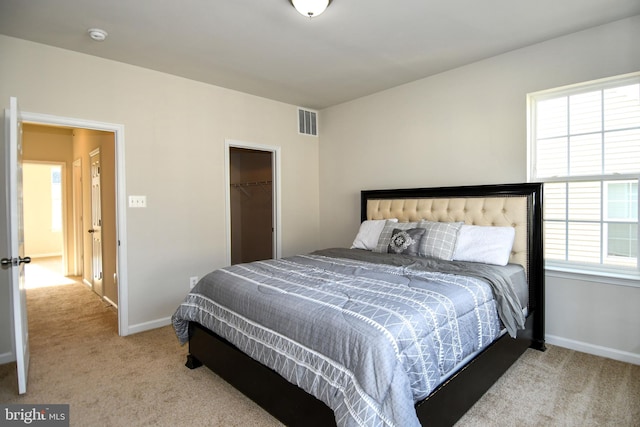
368 334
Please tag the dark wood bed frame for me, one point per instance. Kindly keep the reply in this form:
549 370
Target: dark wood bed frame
449 401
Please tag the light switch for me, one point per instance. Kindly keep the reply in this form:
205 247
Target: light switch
137 201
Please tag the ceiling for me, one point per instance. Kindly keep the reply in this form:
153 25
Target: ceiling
265 48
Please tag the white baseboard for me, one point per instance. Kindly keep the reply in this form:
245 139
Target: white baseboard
90 286
610 353
46 255
110 302
7 358
147 326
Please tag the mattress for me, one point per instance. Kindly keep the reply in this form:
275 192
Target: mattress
368 334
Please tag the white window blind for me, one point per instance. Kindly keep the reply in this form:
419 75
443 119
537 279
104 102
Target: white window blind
584 144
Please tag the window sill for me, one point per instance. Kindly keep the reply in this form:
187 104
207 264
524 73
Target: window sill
630 279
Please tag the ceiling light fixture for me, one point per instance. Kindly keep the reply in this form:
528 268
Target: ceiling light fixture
97 34
310 8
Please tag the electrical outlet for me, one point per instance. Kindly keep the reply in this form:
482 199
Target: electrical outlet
193 281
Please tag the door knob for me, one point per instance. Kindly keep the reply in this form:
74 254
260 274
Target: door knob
91 230
5 262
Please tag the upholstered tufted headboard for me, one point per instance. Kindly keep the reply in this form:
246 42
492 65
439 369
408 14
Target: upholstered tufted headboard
515 205
488 211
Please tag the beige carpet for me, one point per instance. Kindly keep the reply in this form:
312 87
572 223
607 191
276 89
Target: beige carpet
78 358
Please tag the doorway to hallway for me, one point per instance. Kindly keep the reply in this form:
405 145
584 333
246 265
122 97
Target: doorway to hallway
64 204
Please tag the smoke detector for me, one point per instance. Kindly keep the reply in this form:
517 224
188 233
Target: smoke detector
97 34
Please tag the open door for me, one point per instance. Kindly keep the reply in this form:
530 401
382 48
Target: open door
96 224
15 247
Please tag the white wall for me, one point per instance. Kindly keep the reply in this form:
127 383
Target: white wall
468 126
175 130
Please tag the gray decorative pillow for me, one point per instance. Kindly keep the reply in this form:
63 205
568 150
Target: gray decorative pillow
405 242
369 233
439 240
387 230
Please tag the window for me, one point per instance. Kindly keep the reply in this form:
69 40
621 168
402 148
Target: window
584 144
56 198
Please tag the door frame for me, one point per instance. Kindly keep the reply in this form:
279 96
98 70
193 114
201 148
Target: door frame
121 217
78 220
275 166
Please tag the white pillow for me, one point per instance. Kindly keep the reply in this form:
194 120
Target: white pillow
490 245
369 233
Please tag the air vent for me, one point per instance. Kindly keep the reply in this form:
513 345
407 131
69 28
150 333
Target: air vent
307 122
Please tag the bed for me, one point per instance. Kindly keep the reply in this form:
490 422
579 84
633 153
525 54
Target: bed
387 365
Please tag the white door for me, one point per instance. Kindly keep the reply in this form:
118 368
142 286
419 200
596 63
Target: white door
96 224
16 258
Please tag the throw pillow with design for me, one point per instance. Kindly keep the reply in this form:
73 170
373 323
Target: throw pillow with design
387 231
405 241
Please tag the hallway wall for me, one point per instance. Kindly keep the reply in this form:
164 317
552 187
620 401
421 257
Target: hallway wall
84 142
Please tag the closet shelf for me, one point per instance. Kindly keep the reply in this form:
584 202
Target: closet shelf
240 186
250 184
